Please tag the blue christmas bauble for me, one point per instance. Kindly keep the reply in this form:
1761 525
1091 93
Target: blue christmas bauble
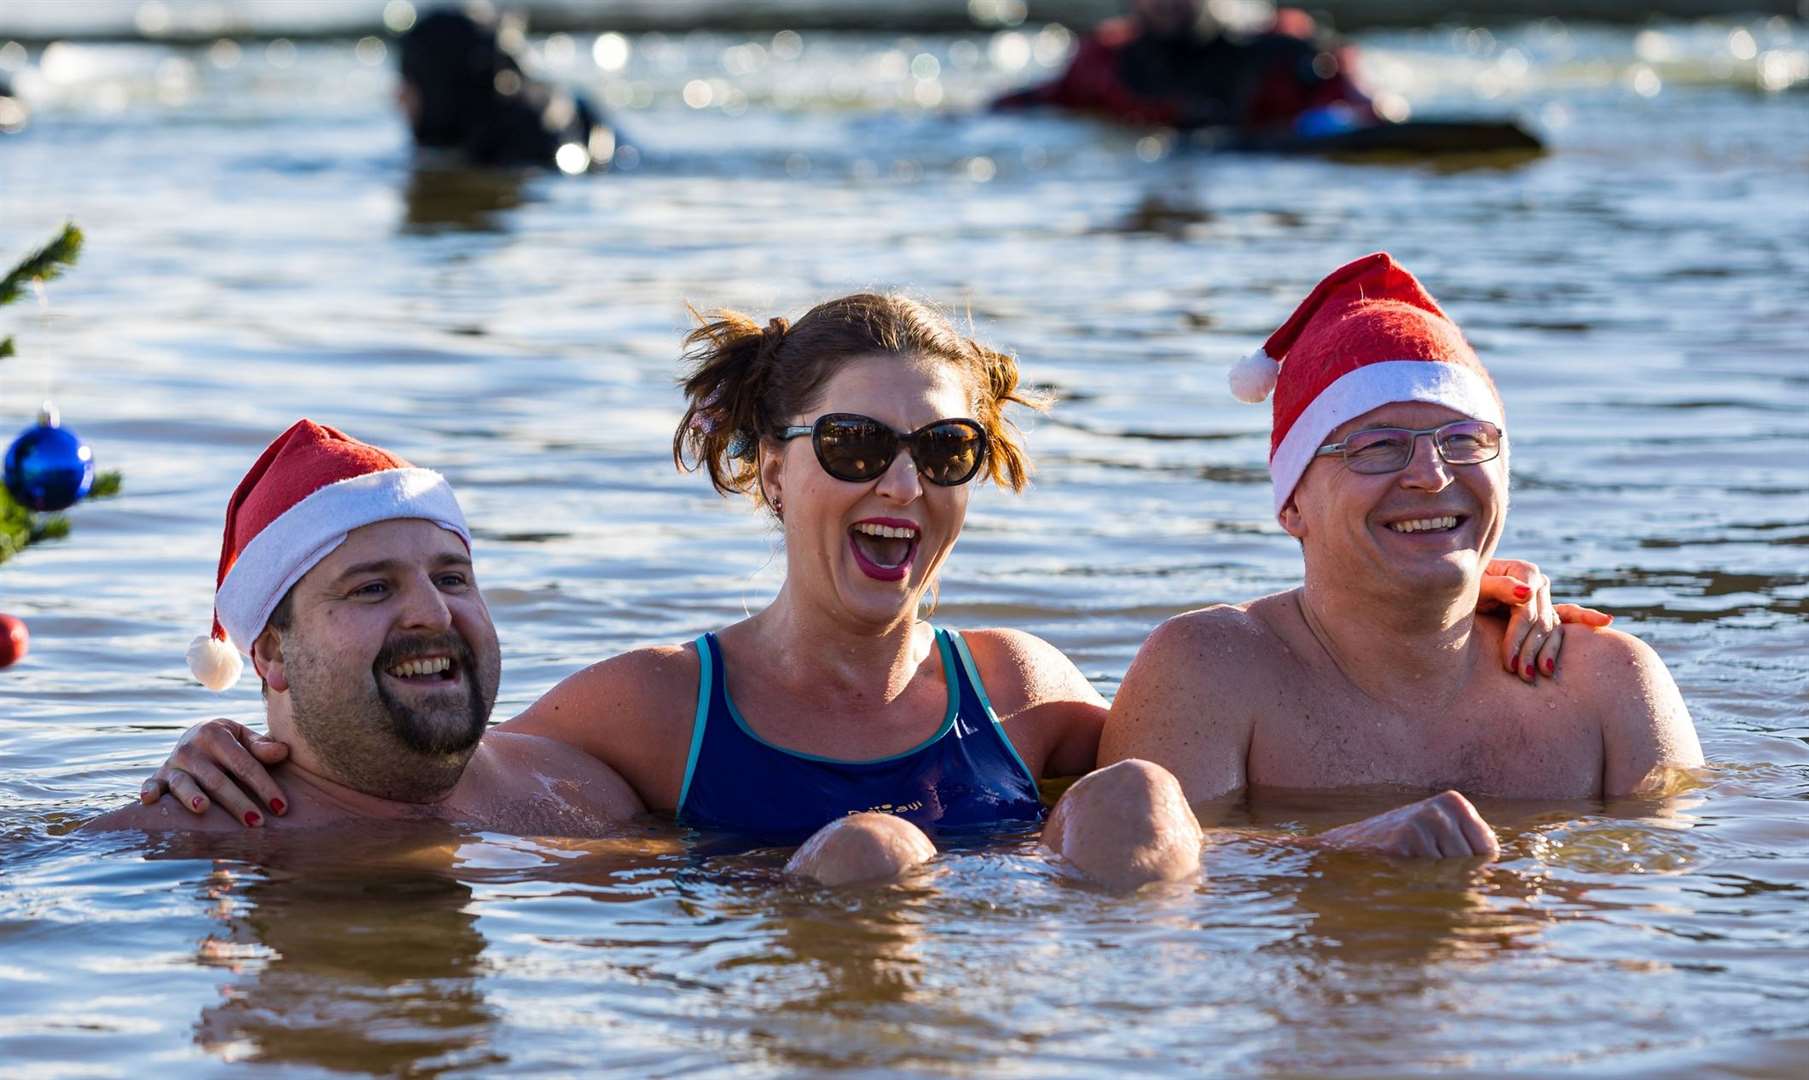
48 467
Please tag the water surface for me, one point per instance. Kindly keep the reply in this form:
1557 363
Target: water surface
260 248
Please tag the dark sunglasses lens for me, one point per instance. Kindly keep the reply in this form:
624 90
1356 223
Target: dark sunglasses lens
949 453
854 448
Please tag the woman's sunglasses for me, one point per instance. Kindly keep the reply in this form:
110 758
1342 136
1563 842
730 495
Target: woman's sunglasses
859 448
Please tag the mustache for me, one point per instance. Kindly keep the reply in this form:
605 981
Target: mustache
403 648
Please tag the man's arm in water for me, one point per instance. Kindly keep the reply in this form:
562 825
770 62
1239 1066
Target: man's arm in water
1188 701
1647 734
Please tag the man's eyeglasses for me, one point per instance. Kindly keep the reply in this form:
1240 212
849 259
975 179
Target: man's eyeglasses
1386 450
858 448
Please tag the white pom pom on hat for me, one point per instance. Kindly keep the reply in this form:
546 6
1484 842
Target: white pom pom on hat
214 662
1253 378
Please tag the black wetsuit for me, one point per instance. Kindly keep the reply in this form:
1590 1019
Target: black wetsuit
474 99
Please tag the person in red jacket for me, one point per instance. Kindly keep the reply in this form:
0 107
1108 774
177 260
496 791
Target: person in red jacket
1164 64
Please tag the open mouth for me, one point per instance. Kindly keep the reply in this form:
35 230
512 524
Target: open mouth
1440 524
884 549
424 671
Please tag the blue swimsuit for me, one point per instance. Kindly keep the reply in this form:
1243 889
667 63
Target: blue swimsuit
965 774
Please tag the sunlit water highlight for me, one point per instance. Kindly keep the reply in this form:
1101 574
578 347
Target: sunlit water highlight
260 248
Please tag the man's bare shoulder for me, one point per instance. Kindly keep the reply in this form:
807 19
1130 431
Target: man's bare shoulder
1193 695
1648 737
1605 664
536 764
164 815
1221 640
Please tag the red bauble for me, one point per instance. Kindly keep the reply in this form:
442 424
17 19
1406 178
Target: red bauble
13 640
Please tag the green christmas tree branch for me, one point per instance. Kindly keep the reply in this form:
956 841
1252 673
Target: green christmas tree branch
19 527
45 264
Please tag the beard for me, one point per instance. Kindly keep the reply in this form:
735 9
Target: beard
411 749
443 722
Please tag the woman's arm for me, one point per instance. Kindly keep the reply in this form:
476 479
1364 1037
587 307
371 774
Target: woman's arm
632 712
1050 711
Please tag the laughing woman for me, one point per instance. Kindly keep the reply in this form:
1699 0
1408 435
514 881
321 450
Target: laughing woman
836 710
860 430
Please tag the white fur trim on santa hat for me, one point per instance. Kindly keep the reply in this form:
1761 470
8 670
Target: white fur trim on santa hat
1371 386
1253 377
307 532
214 663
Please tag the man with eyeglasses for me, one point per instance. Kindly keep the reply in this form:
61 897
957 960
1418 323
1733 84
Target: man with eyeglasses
1389 458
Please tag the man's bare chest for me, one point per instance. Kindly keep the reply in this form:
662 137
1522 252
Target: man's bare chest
1511 741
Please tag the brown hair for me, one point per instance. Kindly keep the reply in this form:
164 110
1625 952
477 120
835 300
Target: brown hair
743 380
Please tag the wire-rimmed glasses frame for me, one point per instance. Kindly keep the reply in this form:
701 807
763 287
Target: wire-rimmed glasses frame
1374 451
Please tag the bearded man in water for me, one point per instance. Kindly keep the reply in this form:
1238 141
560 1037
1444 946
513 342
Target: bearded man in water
1390 467
346 576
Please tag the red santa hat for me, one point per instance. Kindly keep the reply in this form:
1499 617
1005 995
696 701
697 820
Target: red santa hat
308 489
1367 336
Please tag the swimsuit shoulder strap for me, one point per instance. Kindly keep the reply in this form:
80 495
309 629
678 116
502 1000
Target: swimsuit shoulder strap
709 668
973 690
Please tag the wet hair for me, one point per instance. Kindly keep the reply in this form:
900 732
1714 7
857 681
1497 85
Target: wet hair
743 380
475 98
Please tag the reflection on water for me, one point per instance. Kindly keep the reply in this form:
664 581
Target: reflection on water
262 245
347 968
469 199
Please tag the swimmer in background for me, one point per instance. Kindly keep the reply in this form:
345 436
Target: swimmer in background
346 576
838 710
13 113
1166 63
1390 467
467 97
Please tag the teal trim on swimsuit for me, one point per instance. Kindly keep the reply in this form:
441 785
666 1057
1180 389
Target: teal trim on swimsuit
705 676
973 676
948 720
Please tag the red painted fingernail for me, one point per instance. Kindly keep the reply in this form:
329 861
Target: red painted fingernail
252 817
1521 592
278 805
1529 671
196 803
1549 665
